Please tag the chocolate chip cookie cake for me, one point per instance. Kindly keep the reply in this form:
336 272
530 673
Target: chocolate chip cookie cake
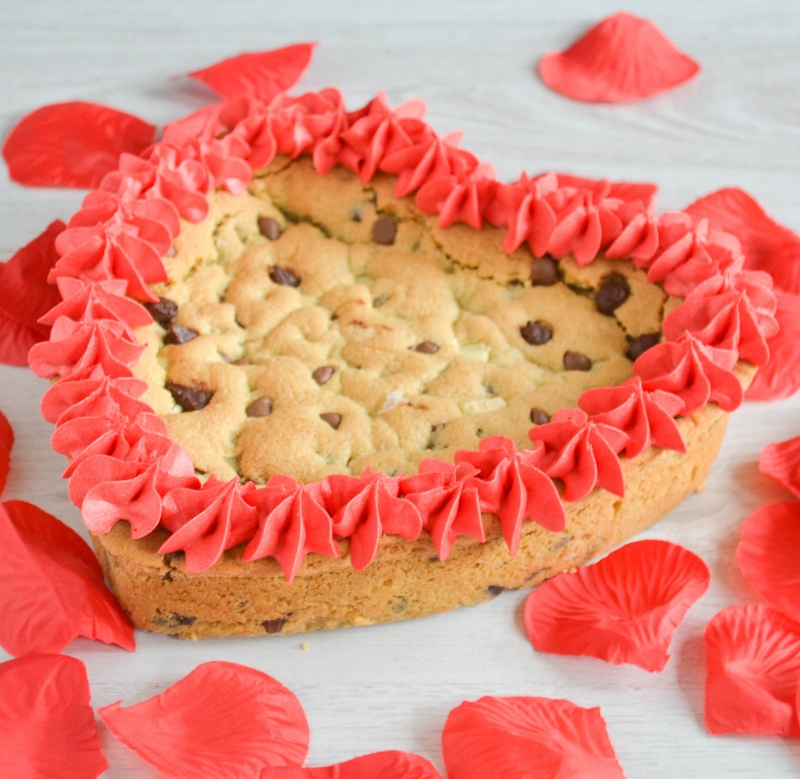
321 369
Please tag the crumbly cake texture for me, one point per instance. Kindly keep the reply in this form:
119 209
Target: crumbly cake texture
416 346
350 360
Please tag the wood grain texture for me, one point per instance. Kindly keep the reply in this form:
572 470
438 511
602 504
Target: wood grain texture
391 686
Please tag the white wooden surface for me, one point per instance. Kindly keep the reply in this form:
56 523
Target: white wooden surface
737 124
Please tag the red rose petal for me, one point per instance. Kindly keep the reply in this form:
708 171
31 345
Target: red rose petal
6 442
261 74
527 738
377 765
47 724
797 701
782 463
72 144
223 720
767 245
753 661
16 341
623 609
622 59
51 586
769 555
780 377
27 296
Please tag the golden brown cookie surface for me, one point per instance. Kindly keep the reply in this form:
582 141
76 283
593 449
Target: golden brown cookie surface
325 326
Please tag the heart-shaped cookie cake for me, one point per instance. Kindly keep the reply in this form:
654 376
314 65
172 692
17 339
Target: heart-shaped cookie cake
318 368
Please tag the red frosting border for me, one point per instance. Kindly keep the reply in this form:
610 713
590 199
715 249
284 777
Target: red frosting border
113 248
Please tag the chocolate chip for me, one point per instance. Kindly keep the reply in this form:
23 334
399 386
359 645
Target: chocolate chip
536 333
614 291
539 417
262 407
178 334
269 228
189 398
495 589
174 620
379 301
233 360
427 347
355 215
163 310
333 419
575 361
638 346
283 276
170 556
544 271
273 625
384 231
323 375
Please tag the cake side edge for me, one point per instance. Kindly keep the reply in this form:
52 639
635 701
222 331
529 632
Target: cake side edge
406 580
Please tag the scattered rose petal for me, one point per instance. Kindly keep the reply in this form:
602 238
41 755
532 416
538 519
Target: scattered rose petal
782 463
623 609
27 295
769 555
527 738
767 245
753 661
621 59
47 723
51 586
6 442
261 74
223 720
16 341
377 765
72 144
780 377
